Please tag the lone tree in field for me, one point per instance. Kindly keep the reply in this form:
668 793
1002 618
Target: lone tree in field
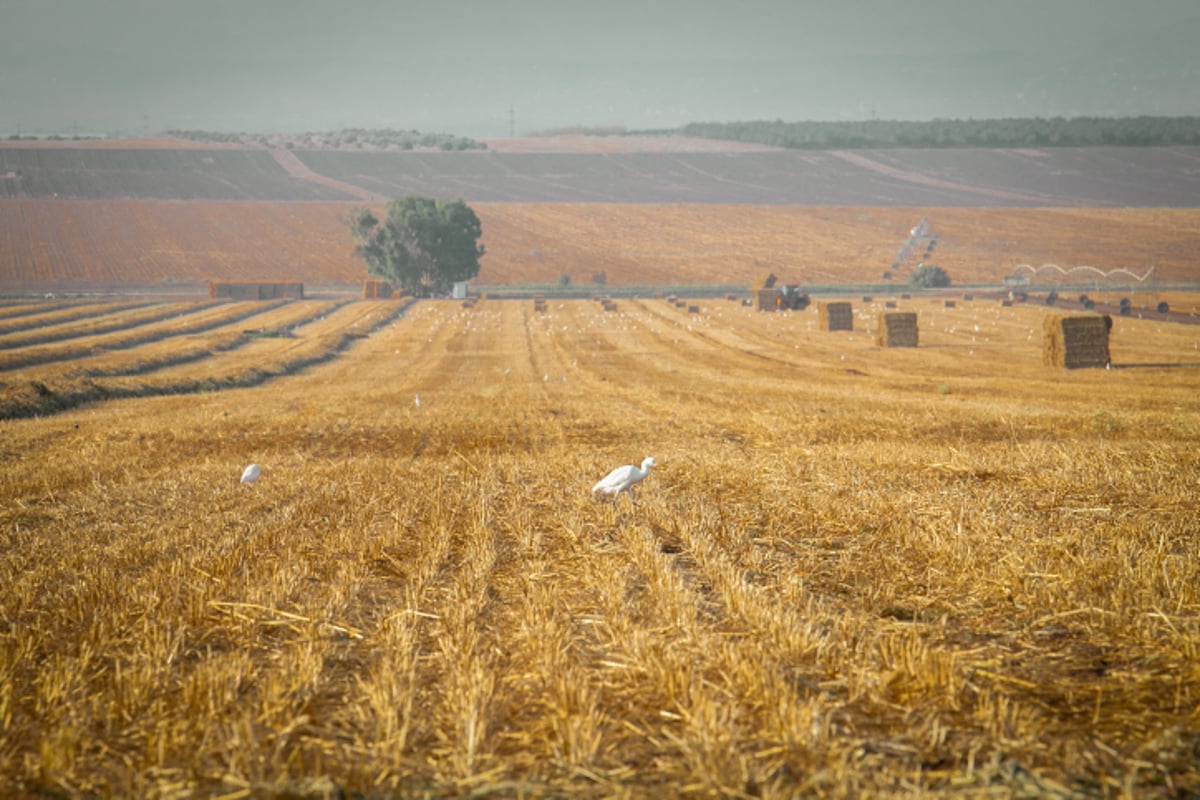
929 276
423 246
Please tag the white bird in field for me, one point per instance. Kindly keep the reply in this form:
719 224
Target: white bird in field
417 401
251 473
623 479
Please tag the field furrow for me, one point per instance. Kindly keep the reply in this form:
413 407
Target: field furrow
236 362
13 310
238 325
31 328
189 318
122 319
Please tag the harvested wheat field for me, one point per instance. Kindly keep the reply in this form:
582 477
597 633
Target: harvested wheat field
946 570
59 245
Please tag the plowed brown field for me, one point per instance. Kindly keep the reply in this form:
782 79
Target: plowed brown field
64 243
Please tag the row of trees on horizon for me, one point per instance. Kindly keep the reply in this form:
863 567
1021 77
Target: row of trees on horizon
1144 131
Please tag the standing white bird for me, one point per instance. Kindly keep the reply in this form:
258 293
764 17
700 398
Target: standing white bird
623 479
250 475
417 401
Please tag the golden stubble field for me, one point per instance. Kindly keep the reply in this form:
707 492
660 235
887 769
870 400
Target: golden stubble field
56 245
945 571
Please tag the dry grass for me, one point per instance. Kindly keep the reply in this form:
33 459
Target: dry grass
947 570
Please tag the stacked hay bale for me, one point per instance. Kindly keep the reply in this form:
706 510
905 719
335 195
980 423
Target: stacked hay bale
539 302
609 305
767 299
1075 340
255 290
765 292
835 316
897 329
374 289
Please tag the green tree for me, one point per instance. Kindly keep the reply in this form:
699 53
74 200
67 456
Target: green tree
929 276
423 245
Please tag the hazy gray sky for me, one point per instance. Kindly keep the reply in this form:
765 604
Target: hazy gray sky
458 66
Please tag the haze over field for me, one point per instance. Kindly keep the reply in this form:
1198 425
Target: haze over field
489 69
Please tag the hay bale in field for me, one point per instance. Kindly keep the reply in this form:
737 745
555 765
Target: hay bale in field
1163 308
767 299
255 290
968 297
693 309
374 289
1006 303
609 305
866 298
292 290
889 304
948 304
837 316
897 329
1075 340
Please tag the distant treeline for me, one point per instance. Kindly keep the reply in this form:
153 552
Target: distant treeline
1011 132
345 139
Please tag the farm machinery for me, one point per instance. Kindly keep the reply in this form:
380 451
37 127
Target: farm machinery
773 298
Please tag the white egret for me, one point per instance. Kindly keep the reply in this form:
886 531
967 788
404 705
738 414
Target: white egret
417 401
251 473
623 479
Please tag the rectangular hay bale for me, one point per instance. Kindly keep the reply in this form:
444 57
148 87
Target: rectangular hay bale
837 316
374 289
1073 341
897 329
766 299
